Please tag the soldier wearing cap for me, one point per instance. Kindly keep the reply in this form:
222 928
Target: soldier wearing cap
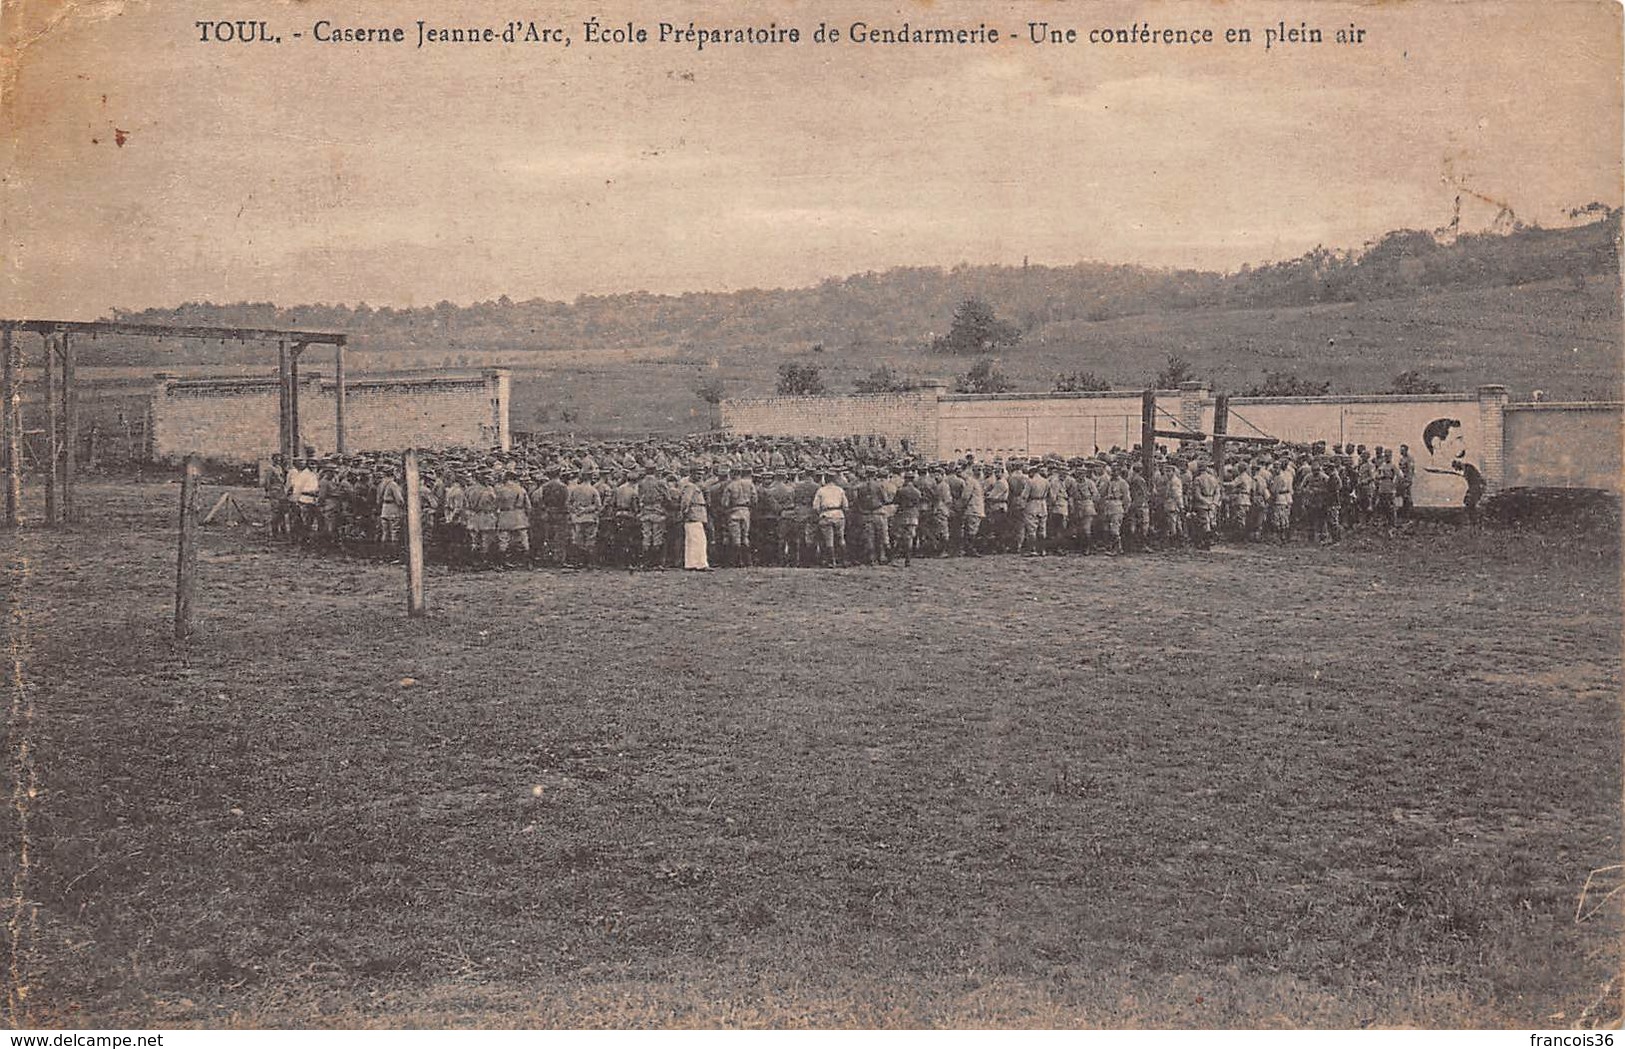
653 496
1035 512
972 504
1085 505
830 504
739 500
482 518
1407 478
627 542
806 491
908 501
1058 509
583 505
1115 500
275 484
871 499
512 504
554 495
693 509
453 519
996 494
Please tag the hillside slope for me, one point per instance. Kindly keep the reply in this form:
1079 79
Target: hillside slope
1559 336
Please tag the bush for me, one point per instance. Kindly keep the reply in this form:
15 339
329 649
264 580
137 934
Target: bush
1286 384
984 377
1178 370
800 380
1415 381
884 379
976 329
1078 382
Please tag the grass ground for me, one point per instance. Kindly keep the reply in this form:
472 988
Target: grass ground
1261 787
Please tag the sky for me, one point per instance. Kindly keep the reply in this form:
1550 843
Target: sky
333 172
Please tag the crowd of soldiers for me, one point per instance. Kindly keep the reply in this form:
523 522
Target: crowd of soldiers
704 502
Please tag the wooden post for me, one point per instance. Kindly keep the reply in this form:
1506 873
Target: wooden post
1221 426
53 451
282 402
293 400
70 425
1148 434
339 399
13 439
414 537
186 566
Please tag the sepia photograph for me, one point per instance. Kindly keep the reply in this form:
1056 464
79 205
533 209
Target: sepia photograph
856 515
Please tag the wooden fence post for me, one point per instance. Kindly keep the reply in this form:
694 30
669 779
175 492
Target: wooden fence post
1221 427
414 537
12 427
186 566
53 448
1148 434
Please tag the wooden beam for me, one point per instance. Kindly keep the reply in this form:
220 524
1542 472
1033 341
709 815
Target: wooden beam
282 428
186 561
1148 434
11 438
176 331
340 443
1221 425
414 537
293 401
53 452
70 424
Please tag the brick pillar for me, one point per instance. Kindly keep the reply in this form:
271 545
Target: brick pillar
498 387
1492 403
157 412
1193 400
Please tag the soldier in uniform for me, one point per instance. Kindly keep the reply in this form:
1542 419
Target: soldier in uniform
806 492
907 500
275 483
1115 499
693 510
556 516
997 496
482 518
830 504
582 504
1058 510
1205 506
1086 496
453 519
512 505
628 540
973 511
739 499
871 499
652 498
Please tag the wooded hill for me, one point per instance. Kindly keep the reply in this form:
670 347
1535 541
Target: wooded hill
897 311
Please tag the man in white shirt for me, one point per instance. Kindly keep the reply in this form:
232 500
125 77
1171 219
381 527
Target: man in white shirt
829 503
302 488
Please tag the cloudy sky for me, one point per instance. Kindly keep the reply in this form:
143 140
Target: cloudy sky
303 172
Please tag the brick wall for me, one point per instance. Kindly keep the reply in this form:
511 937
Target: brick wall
235 420
1563 445
993 425
910 416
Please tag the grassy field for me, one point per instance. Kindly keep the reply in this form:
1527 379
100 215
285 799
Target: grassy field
1260 787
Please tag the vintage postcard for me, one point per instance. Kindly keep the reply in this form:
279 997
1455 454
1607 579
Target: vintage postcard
836 515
